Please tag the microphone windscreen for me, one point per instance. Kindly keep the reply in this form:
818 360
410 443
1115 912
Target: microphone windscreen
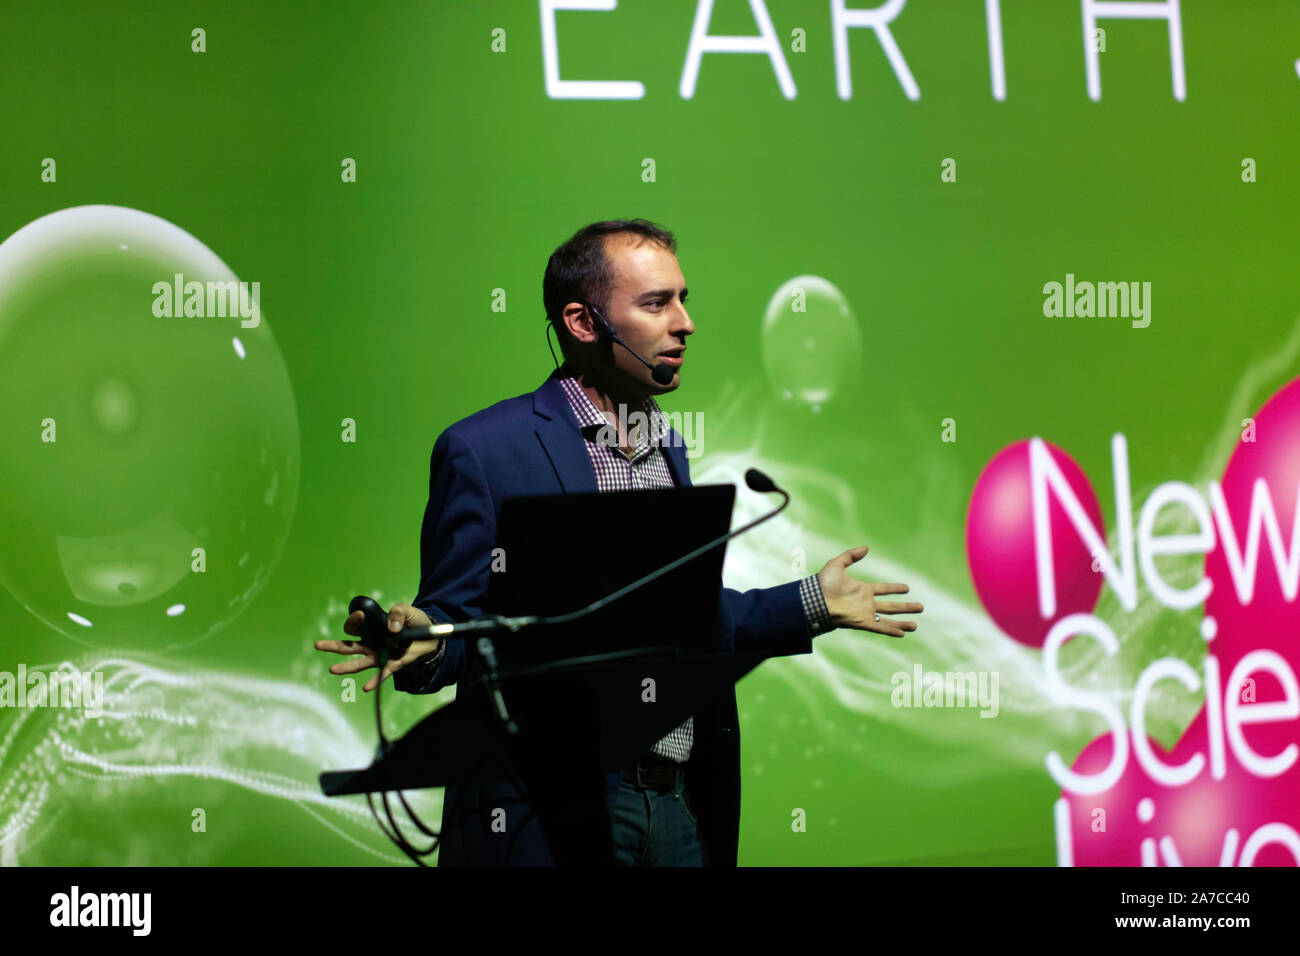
663 374
758 481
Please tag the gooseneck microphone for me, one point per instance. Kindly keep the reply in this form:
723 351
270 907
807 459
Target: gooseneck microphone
377 621
662 373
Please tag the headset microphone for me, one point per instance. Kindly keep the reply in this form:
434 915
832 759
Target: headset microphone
662 373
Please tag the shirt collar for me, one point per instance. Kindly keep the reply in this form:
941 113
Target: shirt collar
591 419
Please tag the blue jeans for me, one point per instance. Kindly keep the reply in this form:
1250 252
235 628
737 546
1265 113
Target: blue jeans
655 829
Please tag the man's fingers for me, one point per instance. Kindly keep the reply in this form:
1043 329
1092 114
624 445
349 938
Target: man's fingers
351 667
392 667
397 616
852 555
895 607
845 558
889 588
355 624
889 627
342 647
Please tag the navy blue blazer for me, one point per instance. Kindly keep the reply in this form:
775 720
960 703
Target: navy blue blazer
531 445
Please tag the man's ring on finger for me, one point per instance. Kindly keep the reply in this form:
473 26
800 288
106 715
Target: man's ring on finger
877 618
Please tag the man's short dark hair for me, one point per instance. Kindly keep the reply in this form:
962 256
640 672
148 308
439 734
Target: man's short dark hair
579 270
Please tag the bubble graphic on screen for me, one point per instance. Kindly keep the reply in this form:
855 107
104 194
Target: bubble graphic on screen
811 345
150 460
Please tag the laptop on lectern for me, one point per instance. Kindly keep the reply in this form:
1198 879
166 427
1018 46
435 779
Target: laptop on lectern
560 553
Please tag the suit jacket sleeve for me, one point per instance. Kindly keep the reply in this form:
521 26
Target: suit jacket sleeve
765 619
456 541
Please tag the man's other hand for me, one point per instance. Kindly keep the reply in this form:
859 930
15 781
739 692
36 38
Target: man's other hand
852 603
399 616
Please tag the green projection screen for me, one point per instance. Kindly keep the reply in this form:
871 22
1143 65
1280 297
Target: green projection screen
1005 290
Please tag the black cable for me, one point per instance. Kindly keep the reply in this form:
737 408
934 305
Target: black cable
549 324
401 795
395 835
407 846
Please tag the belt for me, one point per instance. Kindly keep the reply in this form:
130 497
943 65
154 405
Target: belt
651 771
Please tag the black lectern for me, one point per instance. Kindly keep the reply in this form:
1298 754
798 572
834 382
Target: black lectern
586 696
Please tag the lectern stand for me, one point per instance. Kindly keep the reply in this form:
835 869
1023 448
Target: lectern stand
578 719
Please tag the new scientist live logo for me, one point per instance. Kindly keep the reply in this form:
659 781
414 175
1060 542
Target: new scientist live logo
1228 793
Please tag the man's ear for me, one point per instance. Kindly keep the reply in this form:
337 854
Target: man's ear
580 323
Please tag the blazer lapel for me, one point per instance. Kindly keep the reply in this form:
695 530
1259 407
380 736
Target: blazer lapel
675 453
557 430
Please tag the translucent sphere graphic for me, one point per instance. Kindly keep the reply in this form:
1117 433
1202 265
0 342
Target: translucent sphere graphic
150 458
811 345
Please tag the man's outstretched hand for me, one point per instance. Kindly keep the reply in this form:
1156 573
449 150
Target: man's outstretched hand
852 603
399 616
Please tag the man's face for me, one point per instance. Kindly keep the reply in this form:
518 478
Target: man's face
647 307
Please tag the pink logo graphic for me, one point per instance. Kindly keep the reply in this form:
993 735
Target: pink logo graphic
1228 794
1001 548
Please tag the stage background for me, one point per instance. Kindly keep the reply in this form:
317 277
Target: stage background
382 298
